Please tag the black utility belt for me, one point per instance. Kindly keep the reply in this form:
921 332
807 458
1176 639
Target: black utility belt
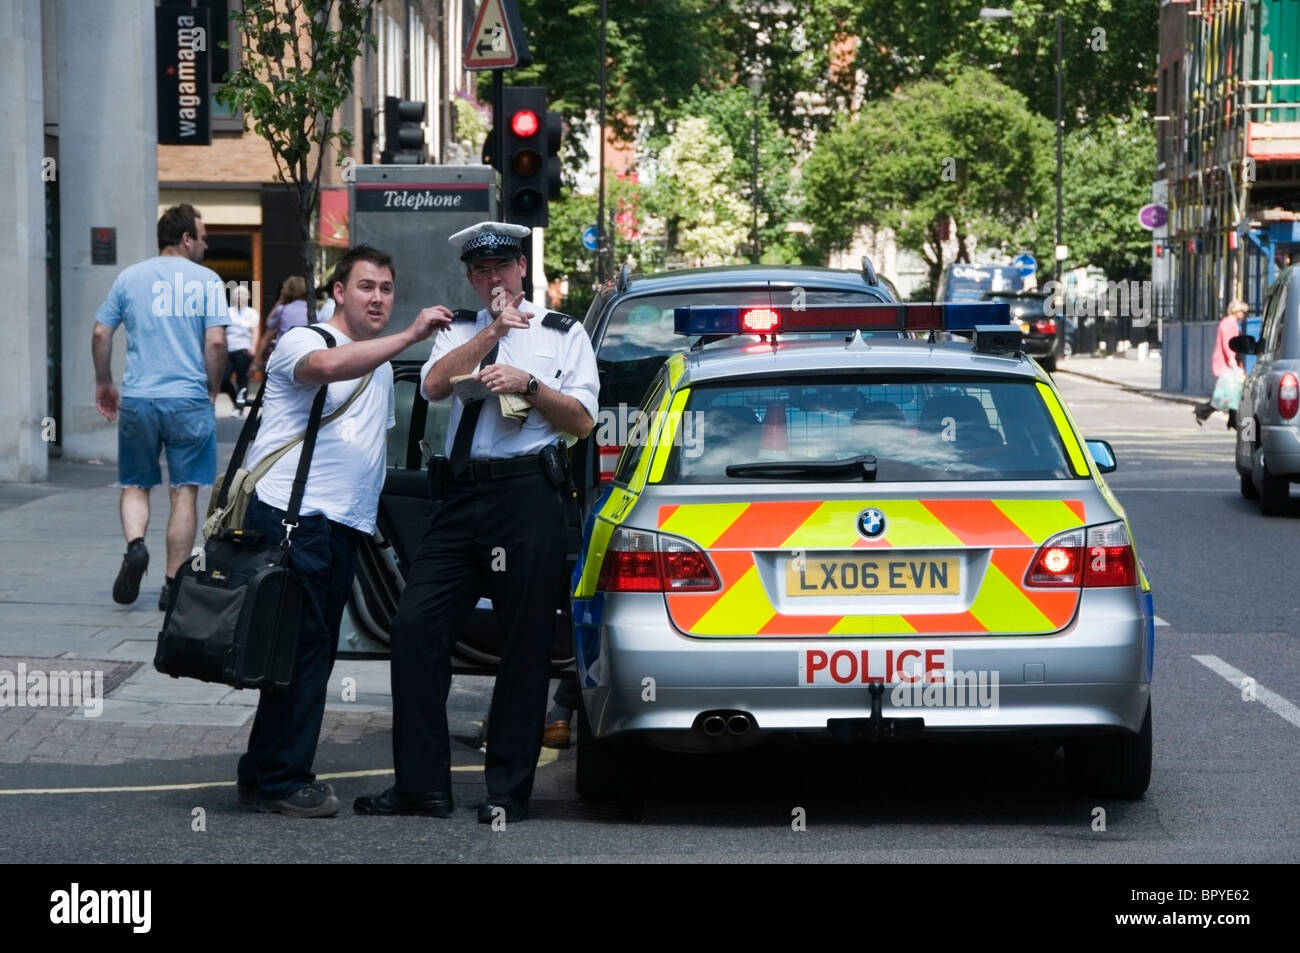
551 463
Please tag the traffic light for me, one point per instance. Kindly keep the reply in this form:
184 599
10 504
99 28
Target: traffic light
530 170
403 132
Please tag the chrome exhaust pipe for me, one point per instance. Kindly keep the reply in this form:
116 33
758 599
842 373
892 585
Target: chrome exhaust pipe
739 724
714 726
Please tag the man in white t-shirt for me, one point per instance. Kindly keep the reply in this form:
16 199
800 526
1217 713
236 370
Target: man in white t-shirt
338 506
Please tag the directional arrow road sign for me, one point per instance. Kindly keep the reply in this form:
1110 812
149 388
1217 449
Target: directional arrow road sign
497 39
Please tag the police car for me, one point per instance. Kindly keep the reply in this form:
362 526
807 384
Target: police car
859 537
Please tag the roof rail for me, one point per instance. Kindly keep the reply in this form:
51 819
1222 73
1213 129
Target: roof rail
624 276
869 273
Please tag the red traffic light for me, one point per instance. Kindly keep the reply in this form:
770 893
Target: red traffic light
524 123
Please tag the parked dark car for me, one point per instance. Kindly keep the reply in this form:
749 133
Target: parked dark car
1032 310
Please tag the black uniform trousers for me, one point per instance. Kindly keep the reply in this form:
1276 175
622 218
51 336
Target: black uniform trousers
504 538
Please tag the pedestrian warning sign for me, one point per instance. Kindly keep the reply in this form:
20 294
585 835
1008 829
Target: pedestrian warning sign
497 40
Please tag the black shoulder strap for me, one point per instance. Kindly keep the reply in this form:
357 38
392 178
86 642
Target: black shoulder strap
308 446
558 321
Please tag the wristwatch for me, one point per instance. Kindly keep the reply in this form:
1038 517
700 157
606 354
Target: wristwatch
532 384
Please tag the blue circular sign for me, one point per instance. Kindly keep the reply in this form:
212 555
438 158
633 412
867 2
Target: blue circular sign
1026 264
590 236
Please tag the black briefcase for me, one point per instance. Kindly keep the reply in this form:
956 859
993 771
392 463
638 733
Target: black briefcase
235 618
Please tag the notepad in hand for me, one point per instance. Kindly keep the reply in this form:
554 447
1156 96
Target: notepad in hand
469 388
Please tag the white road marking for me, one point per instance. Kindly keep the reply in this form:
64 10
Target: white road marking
1234 678
1160 621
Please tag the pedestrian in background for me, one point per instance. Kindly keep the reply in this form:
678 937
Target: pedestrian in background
290 311
1228 374
325 302
339 506
241 345
174 310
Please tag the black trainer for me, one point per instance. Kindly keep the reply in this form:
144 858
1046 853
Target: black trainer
126 588
313 800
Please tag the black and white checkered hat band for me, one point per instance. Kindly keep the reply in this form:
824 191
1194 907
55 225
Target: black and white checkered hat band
489 245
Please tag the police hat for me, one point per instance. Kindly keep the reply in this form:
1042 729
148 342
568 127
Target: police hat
490 240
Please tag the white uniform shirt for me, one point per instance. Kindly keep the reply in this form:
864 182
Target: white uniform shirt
348 464
562 360
239 335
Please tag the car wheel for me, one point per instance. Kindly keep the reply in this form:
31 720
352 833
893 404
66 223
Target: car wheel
1049 363
607 769
1273 491
1248 486
1066 349
1115 766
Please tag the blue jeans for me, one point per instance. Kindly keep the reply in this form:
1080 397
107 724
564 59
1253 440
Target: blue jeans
282 745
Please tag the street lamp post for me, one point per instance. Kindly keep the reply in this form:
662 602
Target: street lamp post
755 88
1000 13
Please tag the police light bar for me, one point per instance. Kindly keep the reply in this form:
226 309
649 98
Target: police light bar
714 320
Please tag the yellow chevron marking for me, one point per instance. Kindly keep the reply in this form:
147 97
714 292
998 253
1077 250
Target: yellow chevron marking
872 625
1039 519
1002 607
834 525
742 610
704 523
667 434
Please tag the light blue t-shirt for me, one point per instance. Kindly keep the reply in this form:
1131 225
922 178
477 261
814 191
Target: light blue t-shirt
167 303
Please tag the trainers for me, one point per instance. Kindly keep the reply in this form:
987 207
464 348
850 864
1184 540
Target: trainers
312 800
246 794
126 588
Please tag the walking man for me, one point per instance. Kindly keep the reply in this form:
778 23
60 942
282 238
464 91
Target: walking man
174 310
339 506
499 531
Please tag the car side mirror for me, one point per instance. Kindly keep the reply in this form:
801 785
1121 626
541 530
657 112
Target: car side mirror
1103 455
1243 344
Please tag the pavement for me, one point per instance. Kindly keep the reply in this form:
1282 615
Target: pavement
1128 372
60 548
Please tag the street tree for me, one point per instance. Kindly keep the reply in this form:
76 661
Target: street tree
296 62
935 162
696 195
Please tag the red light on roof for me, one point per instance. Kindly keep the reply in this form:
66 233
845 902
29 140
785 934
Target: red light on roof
759 320
524 123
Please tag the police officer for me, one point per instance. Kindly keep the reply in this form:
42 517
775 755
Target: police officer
500 530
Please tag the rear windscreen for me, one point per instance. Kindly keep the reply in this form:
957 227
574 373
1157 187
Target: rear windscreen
954 430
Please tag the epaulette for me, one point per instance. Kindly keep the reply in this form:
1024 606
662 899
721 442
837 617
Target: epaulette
559 321
464 314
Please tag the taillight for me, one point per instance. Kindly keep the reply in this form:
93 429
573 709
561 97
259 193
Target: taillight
639 561
607 457
1095 558
1288 396
1045 326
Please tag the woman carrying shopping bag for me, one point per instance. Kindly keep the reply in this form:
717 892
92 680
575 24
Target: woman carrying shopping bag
1228 375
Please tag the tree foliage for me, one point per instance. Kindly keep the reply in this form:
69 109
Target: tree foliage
968 151
296 62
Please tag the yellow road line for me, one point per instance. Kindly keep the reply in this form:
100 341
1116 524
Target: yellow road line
548 756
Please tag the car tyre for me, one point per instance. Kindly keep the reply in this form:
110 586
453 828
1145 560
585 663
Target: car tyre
1115 766
609 769
1049 363
1274 491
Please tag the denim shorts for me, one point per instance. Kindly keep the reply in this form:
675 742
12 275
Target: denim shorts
185 427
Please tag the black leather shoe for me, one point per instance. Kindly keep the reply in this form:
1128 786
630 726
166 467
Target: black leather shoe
393 801
514 810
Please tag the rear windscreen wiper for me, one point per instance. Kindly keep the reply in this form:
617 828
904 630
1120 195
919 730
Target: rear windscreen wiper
861 467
